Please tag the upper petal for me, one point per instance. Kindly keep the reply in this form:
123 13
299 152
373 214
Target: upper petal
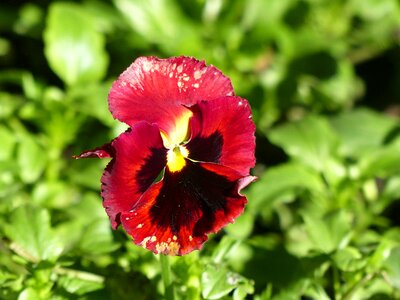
175 215
138 159
222 132
154 90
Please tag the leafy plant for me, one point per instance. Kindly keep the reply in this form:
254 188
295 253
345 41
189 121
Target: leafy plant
322 79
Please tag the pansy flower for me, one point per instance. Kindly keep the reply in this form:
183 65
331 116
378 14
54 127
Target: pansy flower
187 128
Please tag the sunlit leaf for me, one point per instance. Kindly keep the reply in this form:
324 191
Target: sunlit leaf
7 143
393 267
329 232
361 130
74 47
281 183
31 158
217 282
30 230
349 259
311 141
97 237
79 283
153 20
382 162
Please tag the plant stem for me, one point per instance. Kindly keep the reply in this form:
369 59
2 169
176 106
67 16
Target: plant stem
166 276
348 295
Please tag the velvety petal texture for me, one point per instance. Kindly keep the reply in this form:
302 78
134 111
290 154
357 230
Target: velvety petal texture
154 89
175 215
222 132
176 174
139 158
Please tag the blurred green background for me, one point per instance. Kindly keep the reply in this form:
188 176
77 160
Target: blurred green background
323 79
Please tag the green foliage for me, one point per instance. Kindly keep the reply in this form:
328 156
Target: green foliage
322 78
68 27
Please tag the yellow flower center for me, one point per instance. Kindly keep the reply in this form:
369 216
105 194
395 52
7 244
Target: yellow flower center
173 141
176 158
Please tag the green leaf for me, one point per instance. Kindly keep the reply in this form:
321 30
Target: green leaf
247 288
54 194
152 20
382 162
349 259
79 283
361 130
30 230
92 100
31 158
393 267
311 141
218 282
9 103
282 183
29 294
380 255
242 227
76 230
391 189
74 48
7 143
328 232
226 244
97 238
317 291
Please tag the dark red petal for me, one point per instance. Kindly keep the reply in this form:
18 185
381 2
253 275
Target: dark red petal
222 132
154 90
139 158
104 151
175 215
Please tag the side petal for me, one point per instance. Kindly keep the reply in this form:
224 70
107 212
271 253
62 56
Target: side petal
104 151
154 90
175 215
222 132
139 158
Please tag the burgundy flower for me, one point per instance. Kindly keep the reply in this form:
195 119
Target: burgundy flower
186 125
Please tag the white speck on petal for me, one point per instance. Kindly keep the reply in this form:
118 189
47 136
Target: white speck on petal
180 68
139 225
147 66
196 85
144 242
171 74
197 75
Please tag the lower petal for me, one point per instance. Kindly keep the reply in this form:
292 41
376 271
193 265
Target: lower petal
175 215
138 160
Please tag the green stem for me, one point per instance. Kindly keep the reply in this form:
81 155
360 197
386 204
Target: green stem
166 276
349 294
